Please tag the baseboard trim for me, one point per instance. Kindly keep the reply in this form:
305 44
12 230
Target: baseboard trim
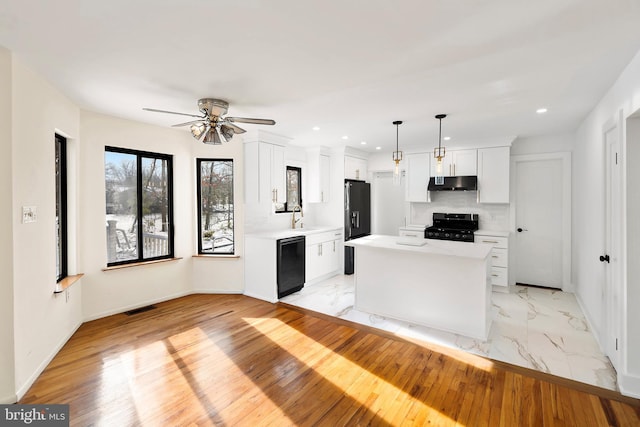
216 291
136 305
629 385
9 399
587 317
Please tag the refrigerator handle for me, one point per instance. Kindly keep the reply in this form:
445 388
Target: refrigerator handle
355 219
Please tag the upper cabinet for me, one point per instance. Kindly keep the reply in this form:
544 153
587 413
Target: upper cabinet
493 175
265 171
355 168
417 177
457 163
318 175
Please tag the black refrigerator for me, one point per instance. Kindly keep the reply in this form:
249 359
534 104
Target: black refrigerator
357 216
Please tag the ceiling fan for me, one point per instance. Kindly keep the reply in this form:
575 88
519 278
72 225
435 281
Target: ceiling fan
211 127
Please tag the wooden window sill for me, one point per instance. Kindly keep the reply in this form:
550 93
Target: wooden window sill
215 256
66 282
137 264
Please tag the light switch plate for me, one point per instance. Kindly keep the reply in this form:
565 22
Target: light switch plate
29 214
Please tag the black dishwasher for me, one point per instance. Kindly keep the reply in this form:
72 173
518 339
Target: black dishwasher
290 265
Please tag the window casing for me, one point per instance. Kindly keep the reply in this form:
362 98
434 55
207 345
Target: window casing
61 207
138 184
293 182
216 206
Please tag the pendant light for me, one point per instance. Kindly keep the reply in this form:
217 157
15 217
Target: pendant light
439 153
397 156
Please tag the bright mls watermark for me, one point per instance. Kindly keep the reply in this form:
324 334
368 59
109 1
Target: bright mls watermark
34 415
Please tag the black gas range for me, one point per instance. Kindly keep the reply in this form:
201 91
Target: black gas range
452 226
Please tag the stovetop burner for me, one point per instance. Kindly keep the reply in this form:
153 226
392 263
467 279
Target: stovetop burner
458 227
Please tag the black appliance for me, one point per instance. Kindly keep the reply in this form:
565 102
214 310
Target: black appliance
452 226
357 216
290 265
454 183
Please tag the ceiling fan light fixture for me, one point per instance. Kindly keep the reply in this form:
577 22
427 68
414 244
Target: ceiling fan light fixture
227 132
197 129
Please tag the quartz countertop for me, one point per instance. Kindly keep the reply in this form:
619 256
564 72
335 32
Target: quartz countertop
427 246
291 232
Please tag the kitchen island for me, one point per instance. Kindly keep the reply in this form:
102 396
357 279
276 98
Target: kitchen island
440 284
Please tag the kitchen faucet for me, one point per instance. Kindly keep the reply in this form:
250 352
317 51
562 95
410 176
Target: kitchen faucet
293 216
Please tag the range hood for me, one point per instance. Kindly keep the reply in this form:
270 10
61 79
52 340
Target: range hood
455 183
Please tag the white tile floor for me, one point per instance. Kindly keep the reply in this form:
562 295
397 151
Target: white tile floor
542 329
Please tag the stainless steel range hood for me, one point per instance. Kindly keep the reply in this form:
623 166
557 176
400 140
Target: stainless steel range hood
455 183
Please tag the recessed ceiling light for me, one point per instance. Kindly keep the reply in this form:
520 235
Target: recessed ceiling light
315 128
378 148
363 142
345 137
541 110
447 138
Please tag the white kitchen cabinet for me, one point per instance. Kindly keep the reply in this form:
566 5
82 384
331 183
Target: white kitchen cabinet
457 163
493 175
323 255
499 256
355 168
264 173
417 177
411 231
318 176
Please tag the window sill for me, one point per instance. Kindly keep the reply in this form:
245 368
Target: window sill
215 256
66 283
137 264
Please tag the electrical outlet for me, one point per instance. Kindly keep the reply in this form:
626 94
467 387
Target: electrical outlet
29 214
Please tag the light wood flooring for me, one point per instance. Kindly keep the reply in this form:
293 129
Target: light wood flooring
231 360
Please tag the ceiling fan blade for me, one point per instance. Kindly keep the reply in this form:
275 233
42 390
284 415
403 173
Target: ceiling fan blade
193 122
170 112
236 129
248 120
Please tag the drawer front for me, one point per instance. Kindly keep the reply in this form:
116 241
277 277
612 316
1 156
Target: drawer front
412 233
499 276
326 236
499 257
497 242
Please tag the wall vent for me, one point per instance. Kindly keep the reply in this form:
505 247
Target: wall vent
140 310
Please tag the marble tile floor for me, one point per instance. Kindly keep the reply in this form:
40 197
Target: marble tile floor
541 329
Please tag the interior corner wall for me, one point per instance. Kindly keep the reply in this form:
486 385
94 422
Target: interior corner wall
588 216
43 321
552 143
7 372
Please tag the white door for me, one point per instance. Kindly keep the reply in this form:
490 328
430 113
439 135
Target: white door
611 257
387 204
539 222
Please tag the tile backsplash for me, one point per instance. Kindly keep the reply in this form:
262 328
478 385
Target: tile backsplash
491 217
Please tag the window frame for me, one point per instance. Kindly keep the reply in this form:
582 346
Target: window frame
139 204
62 243
287 208
199 203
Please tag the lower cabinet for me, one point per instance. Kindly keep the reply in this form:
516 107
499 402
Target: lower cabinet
499 258
323 255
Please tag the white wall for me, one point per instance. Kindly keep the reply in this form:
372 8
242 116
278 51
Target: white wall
43 321
588 219
555 143
7 373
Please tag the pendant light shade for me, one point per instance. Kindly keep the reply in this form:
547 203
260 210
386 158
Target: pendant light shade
397 156
439 152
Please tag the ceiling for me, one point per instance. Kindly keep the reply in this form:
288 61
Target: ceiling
350 68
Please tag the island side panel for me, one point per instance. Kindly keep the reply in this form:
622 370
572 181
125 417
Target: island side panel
446 292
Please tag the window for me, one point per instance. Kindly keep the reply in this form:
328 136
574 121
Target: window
139 206
61 207
294 189
215 206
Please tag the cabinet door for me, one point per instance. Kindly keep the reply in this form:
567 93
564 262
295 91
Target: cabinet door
493 175
333 255
266 193
465 162
278 173
325 177
313 262
355 168
417 175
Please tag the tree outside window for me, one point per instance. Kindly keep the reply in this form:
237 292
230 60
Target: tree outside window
215 206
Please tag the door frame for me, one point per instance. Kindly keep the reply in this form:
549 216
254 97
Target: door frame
612 316
565 158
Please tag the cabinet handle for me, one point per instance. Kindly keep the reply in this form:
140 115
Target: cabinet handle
320 249
337 234
450 170
276 195
334 246
357 173
322 196
494 275
454 169
411 235
494 256
489 241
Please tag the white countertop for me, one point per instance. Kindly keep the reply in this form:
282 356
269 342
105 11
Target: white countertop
290 232
430 246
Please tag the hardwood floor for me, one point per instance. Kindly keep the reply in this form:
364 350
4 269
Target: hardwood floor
231 360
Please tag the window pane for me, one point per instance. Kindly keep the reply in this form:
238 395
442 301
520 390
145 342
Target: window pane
216 206
122 200
155 208
293 188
